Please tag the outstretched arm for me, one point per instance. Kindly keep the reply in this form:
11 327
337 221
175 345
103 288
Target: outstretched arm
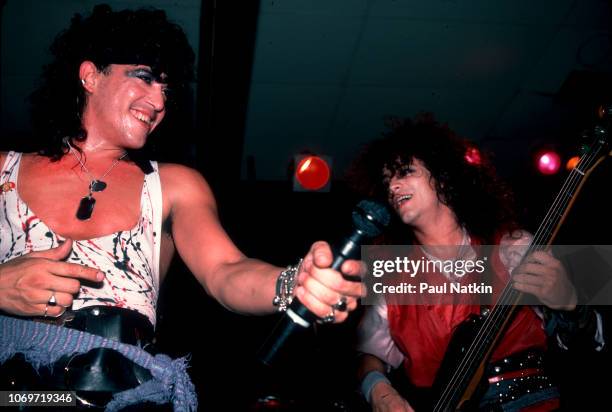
240 283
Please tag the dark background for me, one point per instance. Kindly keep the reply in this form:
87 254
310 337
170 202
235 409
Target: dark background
279 77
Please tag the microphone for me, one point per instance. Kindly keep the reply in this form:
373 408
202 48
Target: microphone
369 220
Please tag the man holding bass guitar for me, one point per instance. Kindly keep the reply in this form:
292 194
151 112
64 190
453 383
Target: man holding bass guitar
445 192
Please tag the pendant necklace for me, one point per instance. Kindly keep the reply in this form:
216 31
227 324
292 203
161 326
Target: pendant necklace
86 206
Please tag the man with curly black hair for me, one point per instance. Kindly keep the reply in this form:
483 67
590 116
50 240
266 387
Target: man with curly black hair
449 203
88 225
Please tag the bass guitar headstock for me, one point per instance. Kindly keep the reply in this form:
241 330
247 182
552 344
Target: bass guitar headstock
597 141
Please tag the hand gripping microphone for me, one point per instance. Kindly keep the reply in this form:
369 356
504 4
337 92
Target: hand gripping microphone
369 220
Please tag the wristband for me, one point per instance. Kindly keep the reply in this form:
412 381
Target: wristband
371 379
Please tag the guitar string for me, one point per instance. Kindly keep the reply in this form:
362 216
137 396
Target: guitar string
508 291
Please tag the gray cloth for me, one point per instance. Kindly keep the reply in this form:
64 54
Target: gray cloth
42 344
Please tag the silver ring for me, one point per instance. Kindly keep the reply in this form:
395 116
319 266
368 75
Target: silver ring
62 311
330 317
341 305
52 300
46 309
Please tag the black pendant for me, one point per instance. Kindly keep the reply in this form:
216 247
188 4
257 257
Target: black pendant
86 207
97 185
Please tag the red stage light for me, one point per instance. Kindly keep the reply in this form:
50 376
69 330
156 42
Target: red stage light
472 156
312 173
549 163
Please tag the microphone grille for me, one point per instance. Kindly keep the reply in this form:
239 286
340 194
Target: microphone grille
371 217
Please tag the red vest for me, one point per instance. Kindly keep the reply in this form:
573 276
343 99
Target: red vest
423 332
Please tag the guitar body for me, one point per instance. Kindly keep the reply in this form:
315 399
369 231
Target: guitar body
425 399
468 393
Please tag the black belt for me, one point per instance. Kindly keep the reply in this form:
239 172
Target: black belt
123 325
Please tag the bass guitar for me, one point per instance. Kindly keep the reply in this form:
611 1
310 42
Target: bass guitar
462 370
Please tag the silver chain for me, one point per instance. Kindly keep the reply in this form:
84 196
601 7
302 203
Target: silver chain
93 179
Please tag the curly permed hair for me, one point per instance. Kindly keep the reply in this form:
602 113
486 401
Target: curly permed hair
143 36
482 203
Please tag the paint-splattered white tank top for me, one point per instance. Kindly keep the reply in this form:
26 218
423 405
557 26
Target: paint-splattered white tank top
129 259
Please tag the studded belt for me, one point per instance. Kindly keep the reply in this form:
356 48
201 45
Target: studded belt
527 363
518 375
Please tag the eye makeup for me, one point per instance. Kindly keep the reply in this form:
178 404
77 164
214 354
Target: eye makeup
143 74
147 76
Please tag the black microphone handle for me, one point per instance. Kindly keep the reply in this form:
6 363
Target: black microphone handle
350 249
298 317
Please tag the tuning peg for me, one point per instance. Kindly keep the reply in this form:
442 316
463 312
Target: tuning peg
586 134
600 131
605 110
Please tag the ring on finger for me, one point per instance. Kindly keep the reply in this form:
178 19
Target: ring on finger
341 305
330 317
46 309
52 299
62 311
